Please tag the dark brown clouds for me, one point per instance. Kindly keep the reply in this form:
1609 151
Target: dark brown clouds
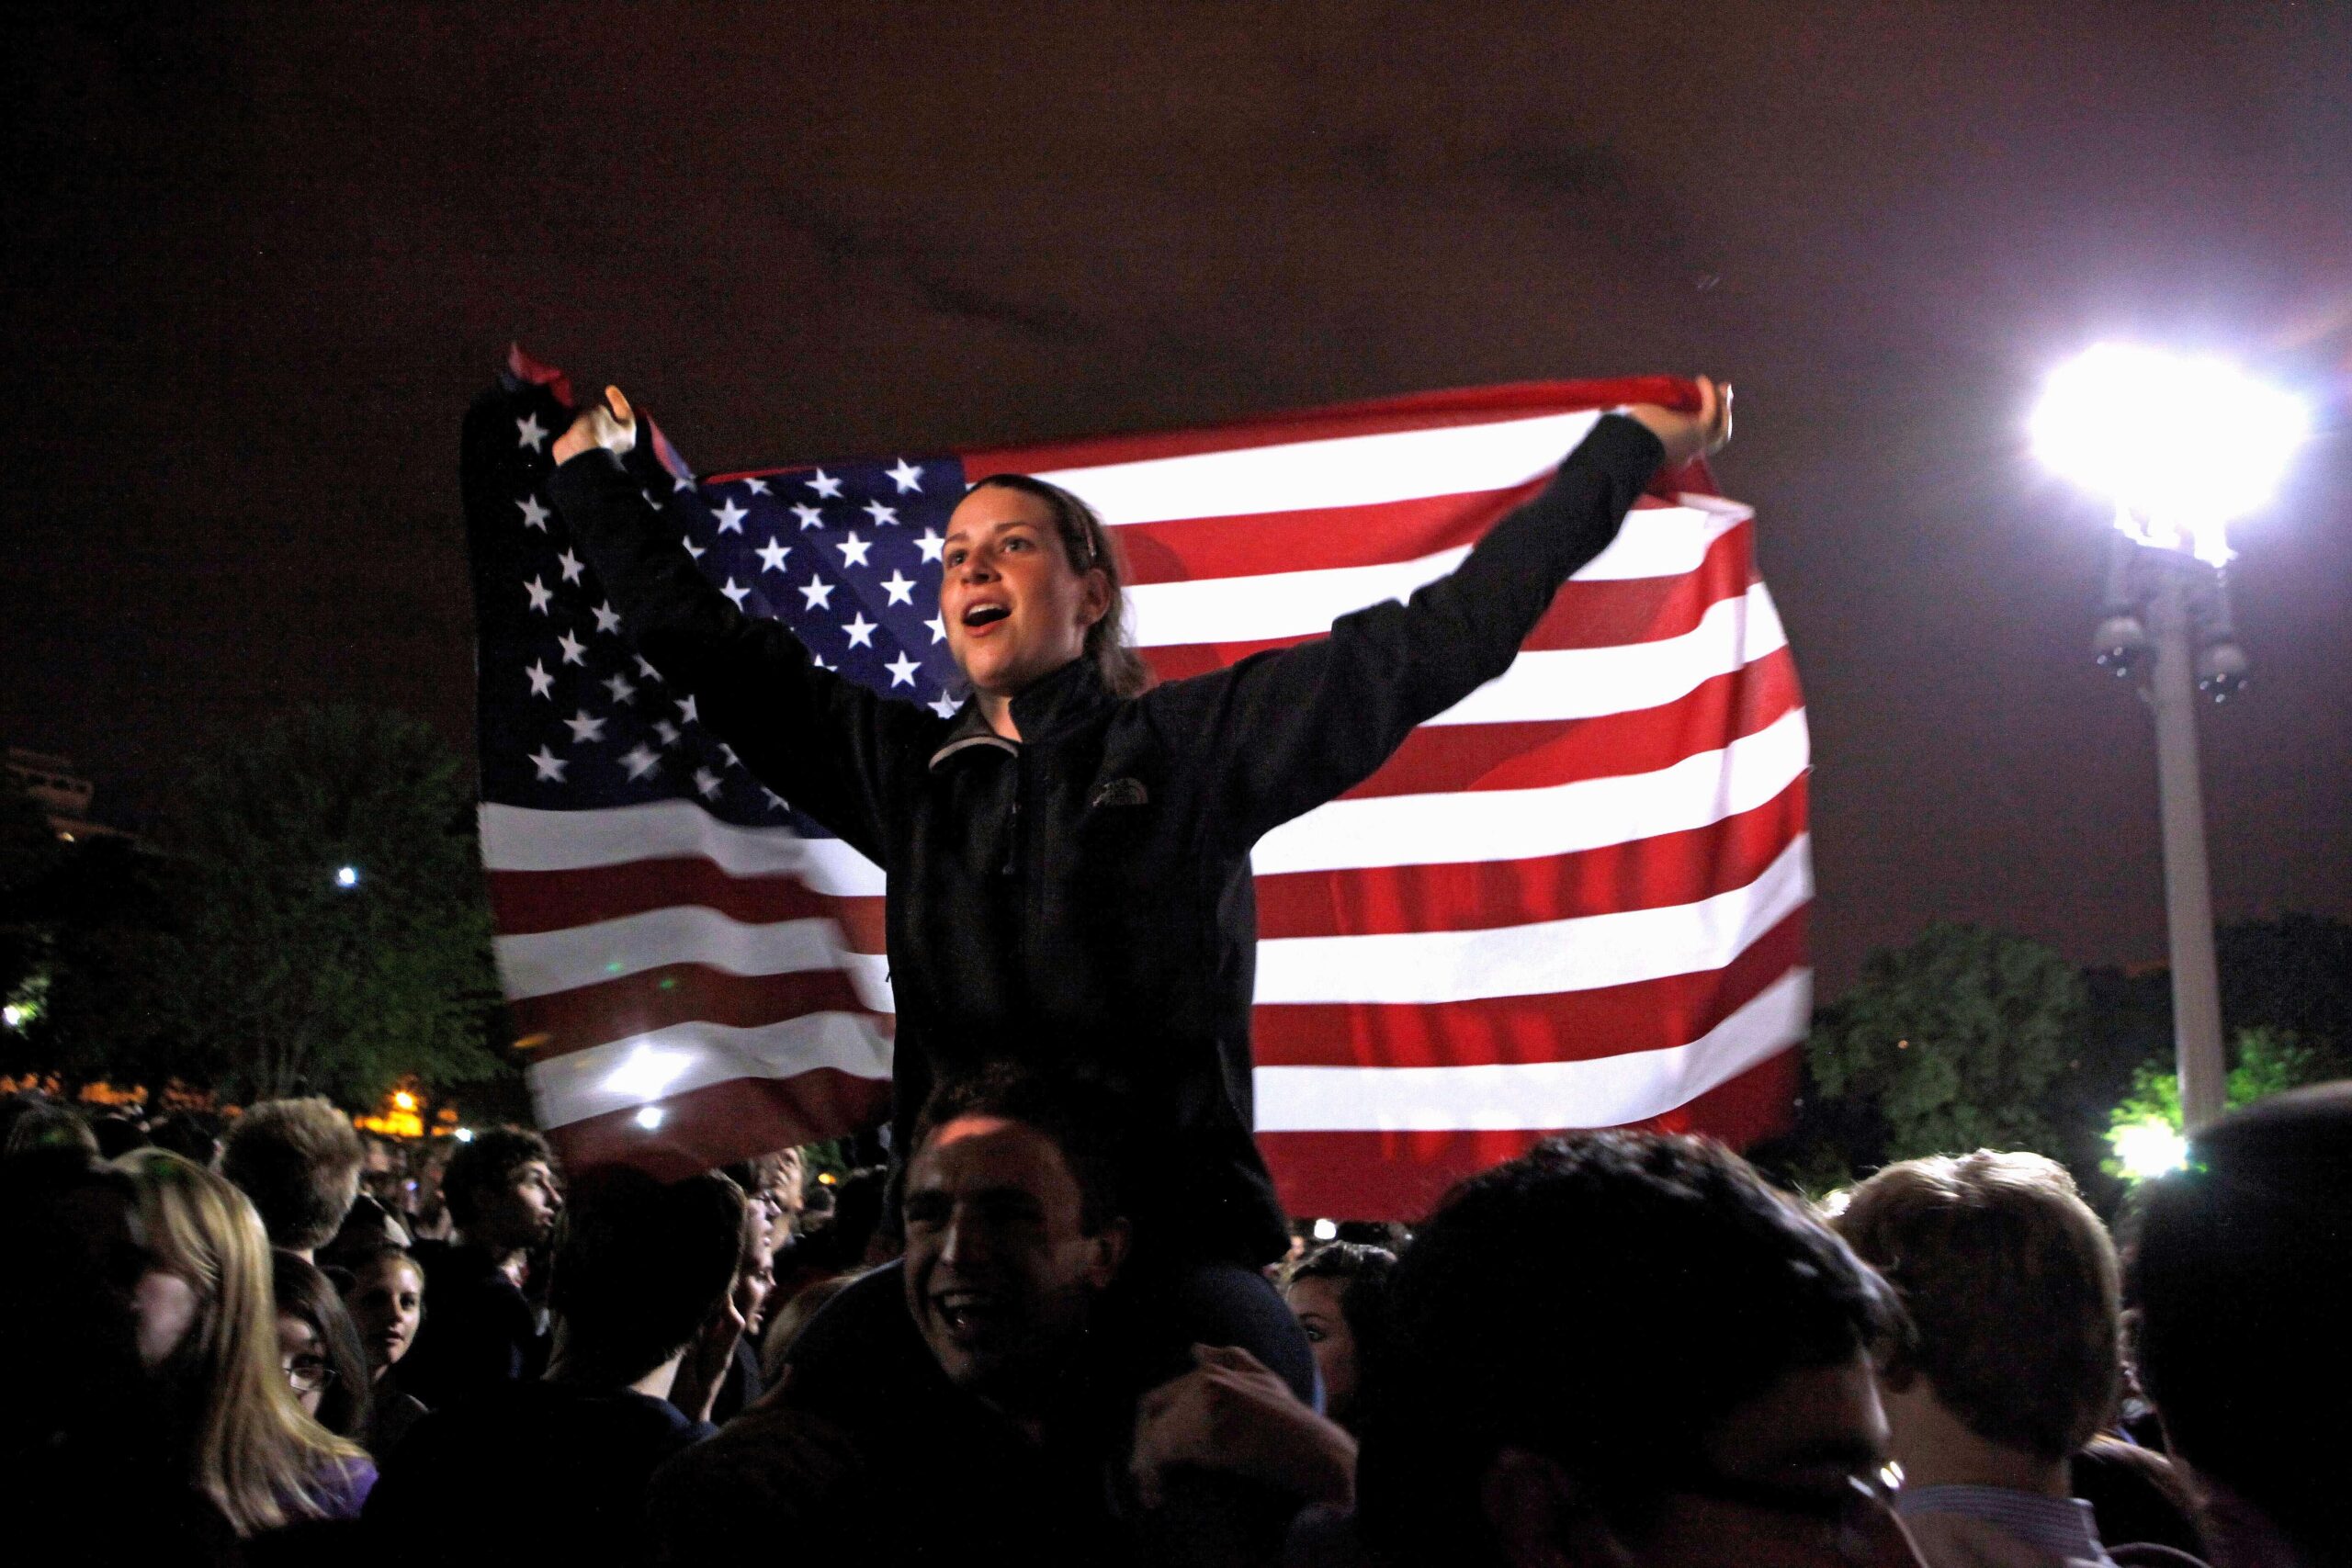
260 256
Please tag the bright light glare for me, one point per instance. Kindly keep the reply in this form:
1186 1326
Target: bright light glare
2181 446
12 1015
347 876
648 1117
647 1073
464 1134
1324 1230
403 1100
2148 1149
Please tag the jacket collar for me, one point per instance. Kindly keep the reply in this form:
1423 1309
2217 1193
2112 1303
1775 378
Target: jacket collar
1045 706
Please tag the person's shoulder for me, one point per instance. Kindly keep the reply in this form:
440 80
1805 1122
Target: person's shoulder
781 1462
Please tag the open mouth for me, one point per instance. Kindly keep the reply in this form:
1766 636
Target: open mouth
968 1314
985 614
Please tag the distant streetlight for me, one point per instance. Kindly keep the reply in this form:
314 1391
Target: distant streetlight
347 876
2182 447
648 1117
2148 1149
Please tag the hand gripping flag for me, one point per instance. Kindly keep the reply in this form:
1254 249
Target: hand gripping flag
1575 900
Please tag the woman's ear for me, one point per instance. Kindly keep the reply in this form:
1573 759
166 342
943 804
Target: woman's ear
1096 603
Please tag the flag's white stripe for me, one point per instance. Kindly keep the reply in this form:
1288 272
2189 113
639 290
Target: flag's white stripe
516 838
1522 824
1535 1096
1664 541
544 963
1346 471
1584 952
646 1069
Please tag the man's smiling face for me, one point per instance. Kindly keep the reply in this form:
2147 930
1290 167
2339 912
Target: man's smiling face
1000 1272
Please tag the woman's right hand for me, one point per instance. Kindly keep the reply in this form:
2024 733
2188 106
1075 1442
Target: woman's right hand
611 424
1686 435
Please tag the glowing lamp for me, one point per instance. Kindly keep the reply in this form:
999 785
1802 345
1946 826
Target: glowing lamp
347 876
2148 1149
648 1117
1326 1230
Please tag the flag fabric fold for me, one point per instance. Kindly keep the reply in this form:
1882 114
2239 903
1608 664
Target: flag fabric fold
1575 900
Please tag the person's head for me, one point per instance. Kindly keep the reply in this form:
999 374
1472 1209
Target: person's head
786 1322
317 1347
1031 581
2010 1284
1013 1225
502 1189
2239 1266
638 1264
41 1126
299 1161
386 1300
208 1325
1623 1348
1339 1292
191 1134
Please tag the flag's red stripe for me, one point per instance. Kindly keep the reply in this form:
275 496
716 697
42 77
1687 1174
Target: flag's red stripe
1419 410
1538 754
1648 873
565 1021
729 1121
1564 1026
1612 613
1401 1176
532 901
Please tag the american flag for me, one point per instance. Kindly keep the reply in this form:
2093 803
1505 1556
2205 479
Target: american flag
1575 900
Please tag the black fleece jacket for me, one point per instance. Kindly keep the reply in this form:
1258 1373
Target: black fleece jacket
1082 901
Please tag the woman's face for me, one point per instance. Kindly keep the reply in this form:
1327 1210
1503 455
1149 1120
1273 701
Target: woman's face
387 1303
1013 608
166 1308
308 1370
1316 1303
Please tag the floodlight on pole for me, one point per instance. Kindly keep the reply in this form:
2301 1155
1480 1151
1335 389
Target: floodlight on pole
2182 447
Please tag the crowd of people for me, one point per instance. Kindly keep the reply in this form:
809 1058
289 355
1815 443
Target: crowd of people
1621 1348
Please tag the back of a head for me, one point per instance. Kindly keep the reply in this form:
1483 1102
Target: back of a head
2240 1266
1605 1300
638 1264
2011 1285
299 1161
41 1126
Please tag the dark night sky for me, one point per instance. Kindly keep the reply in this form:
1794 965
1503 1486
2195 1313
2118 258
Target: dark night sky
258 259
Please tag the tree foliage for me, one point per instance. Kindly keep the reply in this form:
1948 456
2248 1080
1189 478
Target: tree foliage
278 979
1962 1040
2262 1062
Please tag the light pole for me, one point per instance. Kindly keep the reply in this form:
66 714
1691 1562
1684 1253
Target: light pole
2181 447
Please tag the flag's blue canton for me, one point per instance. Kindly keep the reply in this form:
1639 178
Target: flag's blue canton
571 717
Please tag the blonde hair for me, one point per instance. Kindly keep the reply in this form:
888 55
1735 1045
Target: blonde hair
260 1460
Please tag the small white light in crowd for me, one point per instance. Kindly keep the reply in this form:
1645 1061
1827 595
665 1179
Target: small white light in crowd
645 1073
2148 1149
1326 1230
348 876
648 1117
12 1015
2180 445
465 1135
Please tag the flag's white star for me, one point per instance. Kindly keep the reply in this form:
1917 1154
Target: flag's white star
620 688
540 593
938 629
809 517
881 514
647 670
852 550
730 517
550 766
640 761
901 588
775 801
707 782
908 478
541 681
902 671
728 753
651 498
930 544
824 484
772 555
532 435
667 731
607 618
686 710
735 593
575 651
819 660
584 729
861 631
683 482
571 565
757 486
688 540
533 514
819 593
945 706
